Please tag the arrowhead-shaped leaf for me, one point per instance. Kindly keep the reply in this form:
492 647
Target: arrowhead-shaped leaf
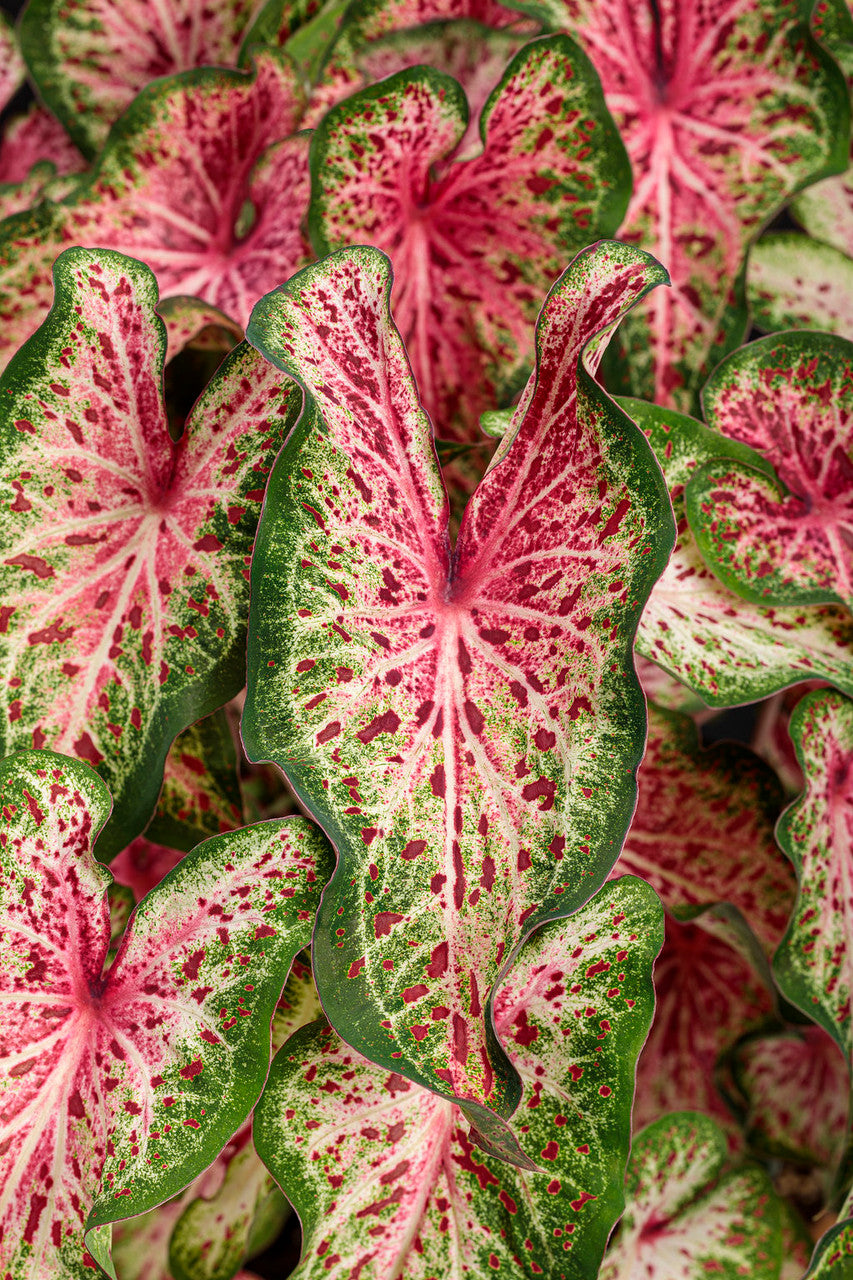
795 282
727 649
475 243
382 1173
201 786
169 189
814 965
465 731
790 397
122 1085
703 829
123 556
686 1217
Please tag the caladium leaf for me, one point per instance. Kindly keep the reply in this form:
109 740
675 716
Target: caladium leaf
89 58
192 323
725 112
703 829
143 864
465 734
725 648
201 786
686 1216
12 69
476 243
169 188
35 137
833 1255
813 964
121 1086
351 1143
711 987
795 282
790 397
795 1088
123 556
140 1248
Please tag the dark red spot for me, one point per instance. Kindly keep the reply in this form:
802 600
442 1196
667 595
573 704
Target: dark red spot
383 921
389 722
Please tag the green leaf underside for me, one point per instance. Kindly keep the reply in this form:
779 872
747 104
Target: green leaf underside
352 1145
475 243
472 787
124 556
703 829
121 1086
795 1087
790 397
686 1217
797 283
168 189
814 965
708 993
728 650
201 786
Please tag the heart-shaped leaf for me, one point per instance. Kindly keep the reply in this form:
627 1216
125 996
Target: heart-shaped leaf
686 1216
122 1085
790 397
814 965
123 555
201 786
465 731
382 1173
476 243
170 187
703 829
725 648
795 282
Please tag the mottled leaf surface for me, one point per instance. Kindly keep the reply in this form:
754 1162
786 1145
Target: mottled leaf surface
201 786
795 282
686 1216
465 732
12 69
476 243
703 829
814 965
727 649
789 397
169 189
142 864
121 1086
140 1249
123 555
34 137
833 1256
353 1145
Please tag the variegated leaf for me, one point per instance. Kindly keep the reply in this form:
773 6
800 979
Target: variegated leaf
123 556
814 964
35 138
12 69
170 189
140 1249
466 731
201 786
687 1216
795 1088
725 648
795 282
785 541
703 829
833 1255
726 109
710 989
142 864
195 324
663 689
476 243
120 1086
353 1145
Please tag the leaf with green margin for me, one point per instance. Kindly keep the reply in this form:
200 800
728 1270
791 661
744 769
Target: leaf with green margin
142 864
687 1216
140 1249
120 1086
667 692
34 151
784 541
12 68
814 964
192 323
169 188
712 986
794 282
833 1255
201 786
467 735
90 58
796 1244
475 243
304 28
351 1144
726 649
794 1088
123 555
702 832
